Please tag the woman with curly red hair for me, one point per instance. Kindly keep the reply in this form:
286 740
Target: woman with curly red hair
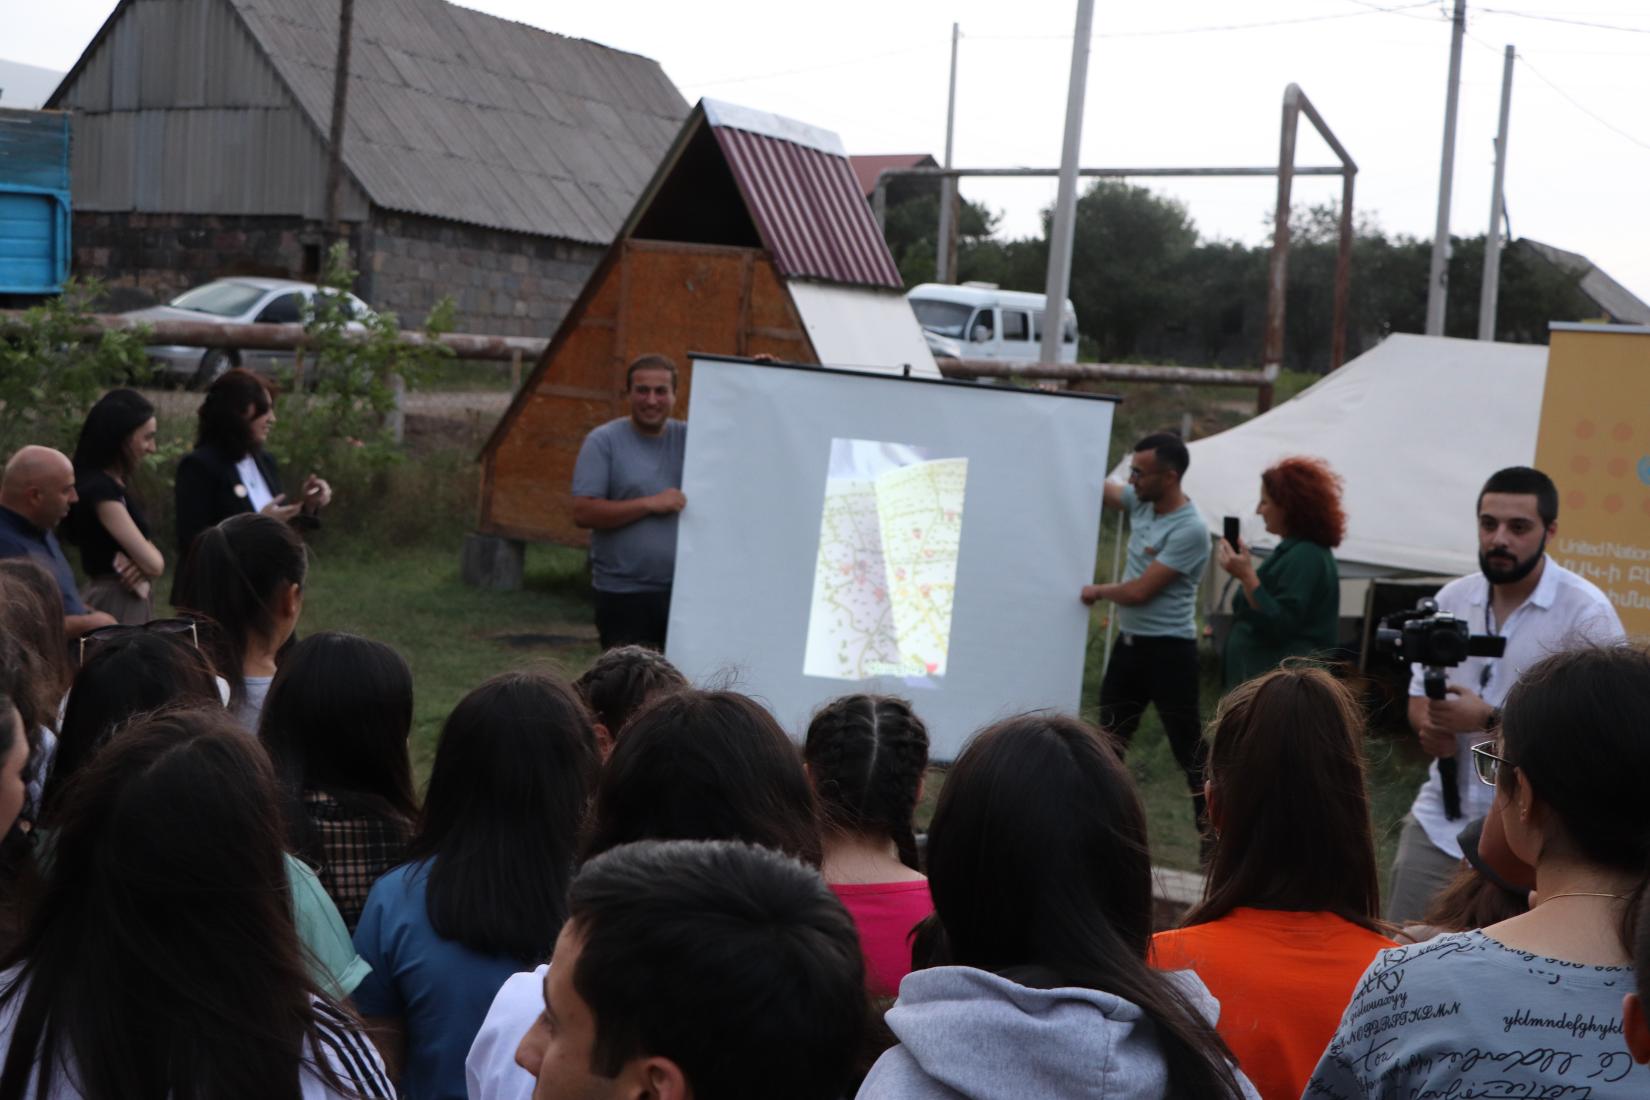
1291 601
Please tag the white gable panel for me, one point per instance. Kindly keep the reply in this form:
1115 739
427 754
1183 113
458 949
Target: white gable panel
861 329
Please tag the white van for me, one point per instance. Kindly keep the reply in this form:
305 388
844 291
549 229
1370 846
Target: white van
990 323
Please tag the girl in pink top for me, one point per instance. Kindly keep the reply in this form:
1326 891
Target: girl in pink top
866 755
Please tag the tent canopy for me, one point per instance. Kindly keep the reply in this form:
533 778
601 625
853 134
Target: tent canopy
1414 426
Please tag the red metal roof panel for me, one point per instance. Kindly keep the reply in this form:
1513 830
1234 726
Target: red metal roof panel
809 209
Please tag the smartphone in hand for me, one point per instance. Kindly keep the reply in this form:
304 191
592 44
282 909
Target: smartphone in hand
1231 533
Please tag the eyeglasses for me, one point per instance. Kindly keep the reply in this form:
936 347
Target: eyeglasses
1486 763
155 626
1137 474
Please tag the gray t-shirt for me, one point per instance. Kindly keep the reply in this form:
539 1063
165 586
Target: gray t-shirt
1463 1015
617 462
1178 540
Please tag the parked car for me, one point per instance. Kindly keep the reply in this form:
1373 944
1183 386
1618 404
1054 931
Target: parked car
234 301
989 323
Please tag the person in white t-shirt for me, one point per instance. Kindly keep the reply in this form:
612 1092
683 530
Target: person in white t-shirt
162 959
1539 607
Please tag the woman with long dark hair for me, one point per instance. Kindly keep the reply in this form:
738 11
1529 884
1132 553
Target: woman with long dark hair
484 891
244 579
1290 916
691 765
866 755
162 960
336 723
229 472
117 549
1291 603
1531 1006
135 673
1042 886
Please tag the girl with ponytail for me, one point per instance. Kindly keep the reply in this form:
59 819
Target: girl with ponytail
1288 921
244 581
866 755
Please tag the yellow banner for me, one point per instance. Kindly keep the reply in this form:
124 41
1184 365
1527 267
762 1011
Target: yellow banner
1595 443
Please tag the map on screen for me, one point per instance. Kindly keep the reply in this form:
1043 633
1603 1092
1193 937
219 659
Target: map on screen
886 572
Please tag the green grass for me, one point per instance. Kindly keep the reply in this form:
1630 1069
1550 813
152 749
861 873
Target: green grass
453 636
389 570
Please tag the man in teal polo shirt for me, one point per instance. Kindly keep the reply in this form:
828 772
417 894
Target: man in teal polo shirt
1155 658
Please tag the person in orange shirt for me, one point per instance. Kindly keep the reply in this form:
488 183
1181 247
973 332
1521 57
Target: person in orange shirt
1289 917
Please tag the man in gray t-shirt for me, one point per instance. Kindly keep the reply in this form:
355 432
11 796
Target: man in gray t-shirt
1155 660
627 490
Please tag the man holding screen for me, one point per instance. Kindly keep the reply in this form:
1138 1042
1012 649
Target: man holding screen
627 490
1155 659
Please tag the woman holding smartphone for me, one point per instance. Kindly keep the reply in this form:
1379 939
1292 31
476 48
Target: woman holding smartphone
1290 604
230 472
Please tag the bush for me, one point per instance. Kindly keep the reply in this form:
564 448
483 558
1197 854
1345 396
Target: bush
335 420
50 376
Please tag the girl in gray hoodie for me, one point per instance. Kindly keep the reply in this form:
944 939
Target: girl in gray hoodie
1041 879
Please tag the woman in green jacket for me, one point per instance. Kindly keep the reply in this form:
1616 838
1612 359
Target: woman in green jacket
1290 605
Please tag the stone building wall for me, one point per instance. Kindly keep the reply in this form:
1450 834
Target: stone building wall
509 284
146 258
502 283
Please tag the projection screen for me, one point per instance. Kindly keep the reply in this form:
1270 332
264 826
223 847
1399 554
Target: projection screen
849 532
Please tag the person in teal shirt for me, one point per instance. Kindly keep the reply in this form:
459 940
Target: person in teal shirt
1290 605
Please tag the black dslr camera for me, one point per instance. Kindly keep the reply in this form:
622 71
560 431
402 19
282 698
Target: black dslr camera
1437 642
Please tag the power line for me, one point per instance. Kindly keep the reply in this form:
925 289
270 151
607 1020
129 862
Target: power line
809 68
1370 9
1565 20
1583 108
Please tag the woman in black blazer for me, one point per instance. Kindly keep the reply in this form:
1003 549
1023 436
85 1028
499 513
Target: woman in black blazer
229 471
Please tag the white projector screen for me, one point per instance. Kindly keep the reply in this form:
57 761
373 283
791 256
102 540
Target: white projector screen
849 532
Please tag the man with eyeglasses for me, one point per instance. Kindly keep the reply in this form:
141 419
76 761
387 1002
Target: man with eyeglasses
1155 659
1539 607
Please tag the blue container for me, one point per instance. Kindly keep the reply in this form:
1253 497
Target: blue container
34 201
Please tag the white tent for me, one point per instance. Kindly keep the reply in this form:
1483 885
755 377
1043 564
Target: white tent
1414 426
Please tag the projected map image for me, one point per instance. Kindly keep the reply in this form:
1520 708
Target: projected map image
887 567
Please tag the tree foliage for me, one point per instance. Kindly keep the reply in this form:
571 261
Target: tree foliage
50 376
1147 286
335 419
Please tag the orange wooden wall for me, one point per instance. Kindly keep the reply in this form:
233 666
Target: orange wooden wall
647 297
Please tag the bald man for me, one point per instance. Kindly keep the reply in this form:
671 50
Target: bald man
35 493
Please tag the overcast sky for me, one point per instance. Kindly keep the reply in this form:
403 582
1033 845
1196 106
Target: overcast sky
1170 84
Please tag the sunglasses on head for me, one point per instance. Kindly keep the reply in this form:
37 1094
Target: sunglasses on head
93 638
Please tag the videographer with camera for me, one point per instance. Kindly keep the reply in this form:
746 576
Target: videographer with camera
1533 607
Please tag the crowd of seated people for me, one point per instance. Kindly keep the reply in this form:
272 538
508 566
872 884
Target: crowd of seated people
219 876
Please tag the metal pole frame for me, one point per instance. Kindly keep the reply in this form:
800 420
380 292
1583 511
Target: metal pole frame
1295 104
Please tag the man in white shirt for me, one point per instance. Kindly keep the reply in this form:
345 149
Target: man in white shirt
1539 607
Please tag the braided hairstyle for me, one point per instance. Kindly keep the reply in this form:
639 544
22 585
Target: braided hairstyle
622 679
866 754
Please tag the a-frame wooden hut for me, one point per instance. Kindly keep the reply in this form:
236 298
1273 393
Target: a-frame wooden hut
752 238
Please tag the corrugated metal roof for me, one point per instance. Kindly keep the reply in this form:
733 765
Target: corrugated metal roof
867 169
1618 303
463 116
807 206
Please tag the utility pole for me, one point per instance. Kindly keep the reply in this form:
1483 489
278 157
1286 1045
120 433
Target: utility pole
1492 239
1065 201
1438 279
945 263
340 90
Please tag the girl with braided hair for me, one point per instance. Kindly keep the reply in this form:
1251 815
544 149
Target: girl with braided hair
866 755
